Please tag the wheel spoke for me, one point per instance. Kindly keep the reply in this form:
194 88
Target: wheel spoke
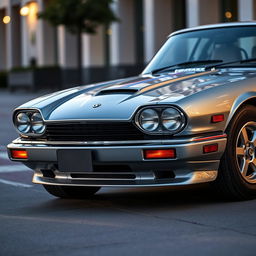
252 177
253 140
244 167
240 151
244 135
253 165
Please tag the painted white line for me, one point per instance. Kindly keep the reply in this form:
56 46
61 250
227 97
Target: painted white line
16 184
4 155
13 168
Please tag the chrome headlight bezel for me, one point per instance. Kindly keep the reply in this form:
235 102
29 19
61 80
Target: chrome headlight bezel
23 123
174 118
161 129
150 116
32 131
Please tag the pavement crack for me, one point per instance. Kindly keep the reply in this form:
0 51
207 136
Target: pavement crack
187 221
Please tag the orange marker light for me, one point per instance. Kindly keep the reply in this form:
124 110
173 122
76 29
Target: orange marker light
159 153
19 154
210 148
217 118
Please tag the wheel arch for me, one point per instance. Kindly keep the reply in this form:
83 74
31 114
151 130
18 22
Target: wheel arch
248 98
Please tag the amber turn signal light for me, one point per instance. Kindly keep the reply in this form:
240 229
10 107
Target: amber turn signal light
210 148
19 154
159 153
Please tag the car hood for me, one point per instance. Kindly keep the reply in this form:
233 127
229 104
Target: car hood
119 99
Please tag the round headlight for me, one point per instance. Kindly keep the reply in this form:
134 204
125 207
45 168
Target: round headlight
37 123
149 120
172 119
23 123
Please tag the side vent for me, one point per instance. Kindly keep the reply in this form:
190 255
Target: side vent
117 91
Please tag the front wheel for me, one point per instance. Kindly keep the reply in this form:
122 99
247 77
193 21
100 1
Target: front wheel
237 173
71 191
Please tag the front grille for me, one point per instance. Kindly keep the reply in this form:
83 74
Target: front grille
111 131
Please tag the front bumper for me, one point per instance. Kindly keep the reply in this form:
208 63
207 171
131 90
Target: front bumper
122 164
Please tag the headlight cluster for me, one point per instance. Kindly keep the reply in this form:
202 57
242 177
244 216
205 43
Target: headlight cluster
29 123
160 120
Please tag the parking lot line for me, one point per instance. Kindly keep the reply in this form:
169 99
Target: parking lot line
13 168
16 184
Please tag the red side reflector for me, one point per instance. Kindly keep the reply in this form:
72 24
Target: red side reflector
210 148
217 118
159 153
19 154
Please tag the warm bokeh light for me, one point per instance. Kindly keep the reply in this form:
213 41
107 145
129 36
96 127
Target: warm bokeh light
32 15
109 32
24 11
6 19
228 15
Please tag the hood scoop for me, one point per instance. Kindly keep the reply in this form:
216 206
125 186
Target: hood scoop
117 91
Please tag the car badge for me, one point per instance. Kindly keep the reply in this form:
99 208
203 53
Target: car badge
96 105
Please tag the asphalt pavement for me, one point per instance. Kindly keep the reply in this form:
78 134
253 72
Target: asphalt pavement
159 221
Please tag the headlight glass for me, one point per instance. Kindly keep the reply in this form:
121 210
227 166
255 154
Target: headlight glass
37 123
149 120
23 123
172 119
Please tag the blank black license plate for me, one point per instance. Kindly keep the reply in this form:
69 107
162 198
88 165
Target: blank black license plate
74 160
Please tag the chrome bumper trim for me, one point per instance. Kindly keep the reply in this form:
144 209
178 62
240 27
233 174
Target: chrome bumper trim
109 143
140 181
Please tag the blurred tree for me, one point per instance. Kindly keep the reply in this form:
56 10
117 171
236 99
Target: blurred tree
79 16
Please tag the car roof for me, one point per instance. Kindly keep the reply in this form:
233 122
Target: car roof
212 26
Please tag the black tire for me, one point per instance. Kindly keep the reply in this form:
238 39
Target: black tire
71 191
233 180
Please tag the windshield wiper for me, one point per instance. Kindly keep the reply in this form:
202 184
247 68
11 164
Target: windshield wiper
185 64
232 62
248 60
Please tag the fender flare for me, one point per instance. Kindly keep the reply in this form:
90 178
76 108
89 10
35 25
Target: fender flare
239 101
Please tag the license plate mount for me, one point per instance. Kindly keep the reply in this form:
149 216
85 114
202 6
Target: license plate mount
74 160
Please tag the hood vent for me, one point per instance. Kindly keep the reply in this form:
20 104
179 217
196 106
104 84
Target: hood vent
117 91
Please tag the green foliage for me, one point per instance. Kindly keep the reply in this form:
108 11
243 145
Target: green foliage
79 15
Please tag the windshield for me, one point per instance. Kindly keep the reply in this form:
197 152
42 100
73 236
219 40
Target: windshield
224 44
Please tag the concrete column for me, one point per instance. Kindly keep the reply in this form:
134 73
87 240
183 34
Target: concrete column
67 45
193 13
46 40
29 33
149 29
158 25
25 54
246 10
93 49
122 40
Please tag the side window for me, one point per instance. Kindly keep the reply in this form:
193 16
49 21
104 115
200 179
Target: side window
248 47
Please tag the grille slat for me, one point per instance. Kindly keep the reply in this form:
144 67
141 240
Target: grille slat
110 131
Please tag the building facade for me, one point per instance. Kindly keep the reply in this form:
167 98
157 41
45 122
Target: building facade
118 51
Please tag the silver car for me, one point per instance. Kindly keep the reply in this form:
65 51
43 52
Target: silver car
189 118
